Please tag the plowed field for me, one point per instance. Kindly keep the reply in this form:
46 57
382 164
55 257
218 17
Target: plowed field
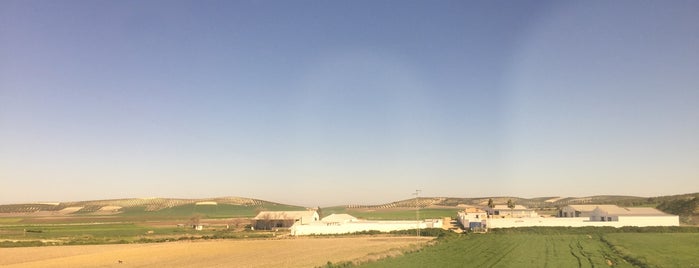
292 252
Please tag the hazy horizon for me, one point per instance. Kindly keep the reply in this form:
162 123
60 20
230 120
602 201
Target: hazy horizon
361 102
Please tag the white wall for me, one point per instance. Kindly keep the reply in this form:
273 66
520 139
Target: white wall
641 221
582 222
359 226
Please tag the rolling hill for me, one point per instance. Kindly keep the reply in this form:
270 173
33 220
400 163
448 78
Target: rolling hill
139 207
684 205
538 202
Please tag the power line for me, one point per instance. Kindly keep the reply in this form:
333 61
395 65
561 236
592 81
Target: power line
417 210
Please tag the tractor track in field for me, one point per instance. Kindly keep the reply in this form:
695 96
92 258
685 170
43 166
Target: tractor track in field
582 252
572 252
512 247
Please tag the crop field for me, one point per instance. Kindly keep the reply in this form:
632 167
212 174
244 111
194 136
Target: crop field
556 250
207 211
299 252
110 233
658 249
142 214
135 210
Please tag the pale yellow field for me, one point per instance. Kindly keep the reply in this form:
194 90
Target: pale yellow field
291 252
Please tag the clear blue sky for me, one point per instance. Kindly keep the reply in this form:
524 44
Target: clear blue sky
347 102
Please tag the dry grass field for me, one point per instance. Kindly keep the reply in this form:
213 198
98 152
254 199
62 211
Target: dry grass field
292 252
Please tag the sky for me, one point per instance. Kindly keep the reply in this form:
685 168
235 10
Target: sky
347 102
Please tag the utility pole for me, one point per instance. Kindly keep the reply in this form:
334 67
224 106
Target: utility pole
417 210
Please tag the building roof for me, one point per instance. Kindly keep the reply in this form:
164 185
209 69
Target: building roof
339 218
590 208
504 207
284 215
643 211
473 210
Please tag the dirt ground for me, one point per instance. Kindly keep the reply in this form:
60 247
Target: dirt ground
291 252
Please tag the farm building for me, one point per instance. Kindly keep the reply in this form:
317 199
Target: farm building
634 216
338 218
267 220
600 215
573 211
471 218
345 223
518 211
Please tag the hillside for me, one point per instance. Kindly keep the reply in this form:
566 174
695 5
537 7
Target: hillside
685 205
161 207
538 202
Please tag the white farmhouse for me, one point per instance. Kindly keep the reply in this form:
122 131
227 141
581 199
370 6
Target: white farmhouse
472 218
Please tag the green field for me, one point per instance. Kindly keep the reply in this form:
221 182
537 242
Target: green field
658 249
109 233
555 250
393 214
206 211
133 224
54 231
141 214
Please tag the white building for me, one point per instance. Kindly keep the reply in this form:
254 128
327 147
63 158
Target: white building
601 215
267 220
338 218
574 211
643 216
518 211
344 224
472 218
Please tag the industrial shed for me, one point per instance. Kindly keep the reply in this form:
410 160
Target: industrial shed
642 216
518 211
338 218
345 223
574 211
267 220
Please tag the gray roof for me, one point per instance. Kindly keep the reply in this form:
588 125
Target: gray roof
641 211
504 207
589 208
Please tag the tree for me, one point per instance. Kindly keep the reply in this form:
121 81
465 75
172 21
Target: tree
195 220
320 213
491 205
510 205
267 221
